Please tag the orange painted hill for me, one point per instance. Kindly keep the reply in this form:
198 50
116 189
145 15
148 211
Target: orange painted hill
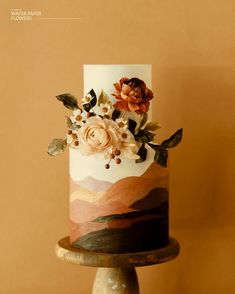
132 189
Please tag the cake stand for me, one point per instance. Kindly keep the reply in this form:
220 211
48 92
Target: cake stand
116 271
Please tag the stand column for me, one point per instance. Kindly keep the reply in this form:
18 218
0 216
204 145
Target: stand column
116 280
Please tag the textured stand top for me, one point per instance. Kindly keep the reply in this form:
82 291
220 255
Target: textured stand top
67 253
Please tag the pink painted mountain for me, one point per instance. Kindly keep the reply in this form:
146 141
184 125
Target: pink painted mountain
91 199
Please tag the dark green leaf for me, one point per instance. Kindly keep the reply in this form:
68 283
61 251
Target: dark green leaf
116 114
131 125
151 126
144 136
93 100
68 100
69 122
161 156
57 146
142 154
174 140
87 107
92 94
71 125
155 146
143 120
104 98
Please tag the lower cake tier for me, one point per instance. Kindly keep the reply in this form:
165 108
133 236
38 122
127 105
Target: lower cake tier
130 232
129 215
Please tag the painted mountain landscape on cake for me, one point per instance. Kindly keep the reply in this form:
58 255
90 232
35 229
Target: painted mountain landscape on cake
121 216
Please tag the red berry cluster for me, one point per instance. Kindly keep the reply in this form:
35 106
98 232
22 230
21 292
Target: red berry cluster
113 157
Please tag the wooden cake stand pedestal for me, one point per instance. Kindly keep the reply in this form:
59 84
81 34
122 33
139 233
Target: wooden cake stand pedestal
116 271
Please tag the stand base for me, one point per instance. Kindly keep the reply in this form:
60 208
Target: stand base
116 272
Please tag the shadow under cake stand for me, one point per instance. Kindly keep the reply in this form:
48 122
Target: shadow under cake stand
116 271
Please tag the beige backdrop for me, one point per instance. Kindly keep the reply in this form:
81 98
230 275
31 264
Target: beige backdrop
191 45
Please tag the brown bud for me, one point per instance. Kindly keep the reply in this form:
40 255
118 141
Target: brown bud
69 132
76 143
117 152
112 156
107 166
74 136
118 160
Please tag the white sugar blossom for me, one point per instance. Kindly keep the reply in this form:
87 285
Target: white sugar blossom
121 123
104 109
86 99
129 147
78 117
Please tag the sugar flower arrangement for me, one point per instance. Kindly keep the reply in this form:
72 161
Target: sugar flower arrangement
115 130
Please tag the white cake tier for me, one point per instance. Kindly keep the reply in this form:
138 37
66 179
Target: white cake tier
94 166
102 77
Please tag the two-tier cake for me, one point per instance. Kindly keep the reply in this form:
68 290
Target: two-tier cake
118 174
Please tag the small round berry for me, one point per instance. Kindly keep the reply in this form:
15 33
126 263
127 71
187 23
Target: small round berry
112 156
70 132
107 166
76 143
74 136
118 161
117 152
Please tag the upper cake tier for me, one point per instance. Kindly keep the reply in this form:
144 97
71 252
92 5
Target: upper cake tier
102 78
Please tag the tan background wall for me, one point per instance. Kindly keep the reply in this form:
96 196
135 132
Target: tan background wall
191 45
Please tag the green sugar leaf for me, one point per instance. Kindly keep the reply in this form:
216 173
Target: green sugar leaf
71 125
103 98
161 156
142 154
56 146
93 100
116 113
132 125
68 100
152 126
69 122
144 136
155 146
143 120
174 140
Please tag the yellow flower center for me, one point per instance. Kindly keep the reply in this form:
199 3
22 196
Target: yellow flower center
104 109
87 98
121 124
78 117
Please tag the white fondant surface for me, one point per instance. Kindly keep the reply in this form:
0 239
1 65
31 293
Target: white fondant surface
94 166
